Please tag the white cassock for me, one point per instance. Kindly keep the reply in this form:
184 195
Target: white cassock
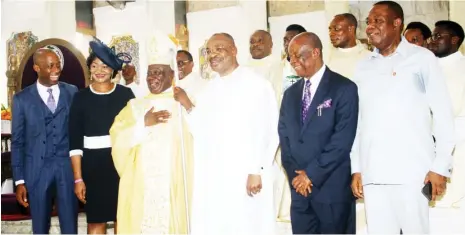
136 89
273 69
193 83
344 60
234 125
454 69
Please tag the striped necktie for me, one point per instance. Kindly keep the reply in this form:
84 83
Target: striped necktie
306 100
51 101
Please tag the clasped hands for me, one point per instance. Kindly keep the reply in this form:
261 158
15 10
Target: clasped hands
302 184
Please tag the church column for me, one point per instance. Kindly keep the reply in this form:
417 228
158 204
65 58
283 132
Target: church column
161 16
43 20
456 10
333 8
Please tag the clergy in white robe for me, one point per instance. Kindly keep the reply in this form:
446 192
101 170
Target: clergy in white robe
129 79
347 51
234 125
270 67
289 76
445 44
403 101
152 152
190 81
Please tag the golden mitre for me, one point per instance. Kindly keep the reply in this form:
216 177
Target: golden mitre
161 49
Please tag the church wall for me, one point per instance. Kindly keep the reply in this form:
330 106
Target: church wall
240 20
42 18
456 13
427 12
194 5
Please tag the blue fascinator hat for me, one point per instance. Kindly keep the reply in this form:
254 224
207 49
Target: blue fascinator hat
108 56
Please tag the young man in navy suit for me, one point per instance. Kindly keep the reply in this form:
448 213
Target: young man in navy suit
40 149
317 126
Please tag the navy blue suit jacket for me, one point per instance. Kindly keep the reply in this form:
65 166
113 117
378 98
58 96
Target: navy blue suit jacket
28 130
321 146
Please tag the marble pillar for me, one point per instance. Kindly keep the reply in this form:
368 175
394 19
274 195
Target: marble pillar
45 19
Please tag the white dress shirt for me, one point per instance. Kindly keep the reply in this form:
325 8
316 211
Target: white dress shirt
44 93
314 82
403 100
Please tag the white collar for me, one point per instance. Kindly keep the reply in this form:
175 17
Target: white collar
43 88
316 78
451 58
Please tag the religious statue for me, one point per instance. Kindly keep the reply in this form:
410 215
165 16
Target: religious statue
17 47
182 34
205 69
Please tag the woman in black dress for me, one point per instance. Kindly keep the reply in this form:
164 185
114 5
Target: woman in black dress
91 116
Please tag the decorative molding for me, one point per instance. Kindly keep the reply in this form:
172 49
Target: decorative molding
287 7
194 5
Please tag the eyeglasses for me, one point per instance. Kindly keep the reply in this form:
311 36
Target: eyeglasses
438 36
182 62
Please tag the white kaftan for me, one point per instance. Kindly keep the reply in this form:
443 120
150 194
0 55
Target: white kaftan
234 125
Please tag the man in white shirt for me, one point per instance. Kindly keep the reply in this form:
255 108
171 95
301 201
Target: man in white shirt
235 138
445 44
403 101
289 74
347 51
129 74
190 81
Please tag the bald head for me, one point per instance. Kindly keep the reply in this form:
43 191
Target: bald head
225 37
260 44
40 55
48 66
309 39
305 51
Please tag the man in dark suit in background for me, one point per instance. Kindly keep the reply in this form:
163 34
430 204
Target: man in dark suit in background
317 126
40 149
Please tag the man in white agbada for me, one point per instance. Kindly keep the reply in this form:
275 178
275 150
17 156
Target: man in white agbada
234 125
347 51
446 40
190 81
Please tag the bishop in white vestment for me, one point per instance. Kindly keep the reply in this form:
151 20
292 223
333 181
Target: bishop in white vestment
234 125
152 153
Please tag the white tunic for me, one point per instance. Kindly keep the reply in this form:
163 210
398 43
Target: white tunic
344 60
402 103
454 69
234 125
192 84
